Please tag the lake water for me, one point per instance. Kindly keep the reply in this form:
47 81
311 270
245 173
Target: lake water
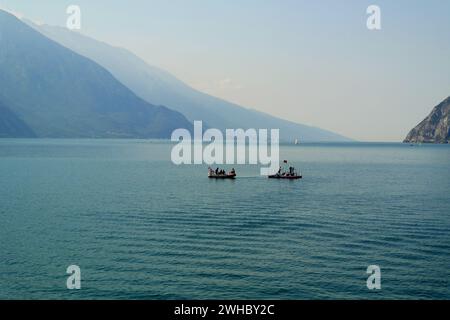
140 227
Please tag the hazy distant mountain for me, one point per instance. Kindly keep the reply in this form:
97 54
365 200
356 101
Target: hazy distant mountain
56 92
159 87
435 128
11 126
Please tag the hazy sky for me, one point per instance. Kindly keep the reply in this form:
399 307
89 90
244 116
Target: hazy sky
314 62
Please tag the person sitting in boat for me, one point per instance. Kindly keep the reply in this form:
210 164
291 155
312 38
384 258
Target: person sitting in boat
232 172
279 171
217 171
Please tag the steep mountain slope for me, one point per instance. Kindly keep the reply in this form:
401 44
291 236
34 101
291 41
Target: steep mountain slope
435 128
160 87
59 93
11 126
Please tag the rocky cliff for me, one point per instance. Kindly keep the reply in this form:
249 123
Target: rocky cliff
435 128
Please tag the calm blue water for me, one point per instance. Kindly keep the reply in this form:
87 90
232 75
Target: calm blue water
141 228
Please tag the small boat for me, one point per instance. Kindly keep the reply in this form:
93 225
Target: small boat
289 177
213 175
290 174
222 176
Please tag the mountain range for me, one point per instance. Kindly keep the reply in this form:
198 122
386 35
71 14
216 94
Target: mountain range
47 90
158 86
435 128
61 84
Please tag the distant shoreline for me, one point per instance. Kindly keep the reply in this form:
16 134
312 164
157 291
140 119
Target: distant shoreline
168 141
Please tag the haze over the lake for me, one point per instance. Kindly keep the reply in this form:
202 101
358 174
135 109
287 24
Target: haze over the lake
313 63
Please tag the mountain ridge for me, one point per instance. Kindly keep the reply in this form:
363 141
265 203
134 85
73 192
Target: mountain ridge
58 93
160 87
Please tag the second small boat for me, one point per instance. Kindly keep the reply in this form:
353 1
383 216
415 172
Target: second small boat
290 174
289 177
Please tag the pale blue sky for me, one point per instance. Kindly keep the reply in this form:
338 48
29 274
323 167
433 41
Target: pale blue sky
313 62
